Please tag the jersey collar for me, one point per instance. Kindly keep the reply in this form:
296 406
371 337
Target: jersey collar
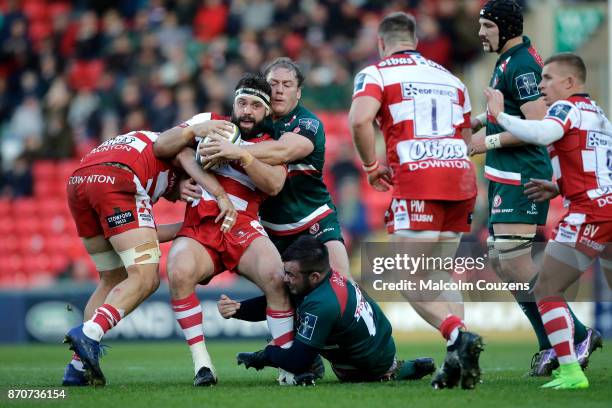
404 52
526 44
290 117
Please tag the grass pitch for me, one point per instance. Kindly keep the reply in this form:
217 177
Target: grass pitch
160 375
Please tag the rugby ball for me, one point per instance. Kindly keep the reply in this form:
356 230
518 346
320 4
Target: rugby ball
232 136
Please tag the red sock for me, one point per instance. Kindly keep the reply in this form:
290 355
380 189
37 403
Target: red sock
449 324
106 317
188 314
559 327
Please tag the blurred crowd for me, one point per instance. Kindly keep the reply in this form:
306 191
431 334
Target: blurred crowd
74 73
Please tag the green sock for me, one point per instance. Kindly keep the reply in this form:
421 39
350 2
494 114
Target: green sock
580 331
527 302
533 314
530 309
407 371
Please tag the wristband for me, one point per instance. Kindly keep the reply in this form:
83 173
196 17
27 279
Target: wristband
493 141
370 167
482 118
246 160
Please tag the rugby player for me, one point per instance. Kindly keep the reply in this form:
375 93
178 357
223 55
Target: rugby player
424 114
200 251
511 163
336 321
579 137
304 205
110 197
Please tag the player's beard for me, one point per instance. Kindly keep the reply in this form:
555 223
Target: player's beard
490 47
246 134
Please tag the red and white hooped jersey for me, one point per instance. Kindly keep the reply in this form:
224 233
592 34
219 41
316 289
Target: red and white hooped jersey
135 150
241 190
423 111
582 158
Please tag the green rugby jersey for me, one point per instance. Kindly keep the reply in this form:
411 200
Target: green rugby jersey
347 327
517 74
304 198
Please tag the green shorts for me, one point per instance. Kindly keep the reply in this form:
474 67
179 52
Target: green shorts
509 205
324 230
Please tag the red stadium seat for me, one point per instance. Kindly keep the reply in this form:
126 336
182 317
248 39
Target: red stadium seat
7 226
65 170
8 245
44 170
5 208
24 207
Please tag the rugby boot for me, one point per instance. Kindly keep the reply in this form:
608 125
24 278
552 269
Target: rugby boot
568 377
204 378
543 363
89 352
469 346
585 348
449 373
73 377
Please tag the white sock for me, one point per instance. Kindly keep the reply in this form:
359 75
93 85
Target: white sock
93 330
453 337
280 324
201 358
77 364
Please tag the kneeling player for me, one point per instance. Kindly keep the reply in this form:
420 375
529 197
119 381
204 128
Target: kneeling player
336 320
110 197
201 251
579 138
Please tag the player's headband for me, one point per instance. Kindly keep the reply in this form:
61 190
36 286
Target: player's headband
507 15
254 94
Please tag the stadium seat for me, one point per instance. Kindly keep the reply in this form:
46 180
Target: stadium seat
23 208
65 169
44 170
5 208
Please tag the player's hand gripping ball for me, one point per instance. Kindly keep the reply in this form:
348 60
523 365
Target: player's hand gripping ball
232 136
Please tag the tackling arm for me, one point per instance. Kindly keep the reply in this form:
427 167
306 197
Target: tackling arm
171 141
289 148
269 179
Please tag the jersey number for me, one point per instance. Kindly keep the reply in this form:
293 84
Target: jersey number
433 106
602 144
364 311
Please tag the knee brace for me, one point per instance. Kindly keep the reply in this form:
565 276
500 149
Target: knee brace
107 261
511 246
147 253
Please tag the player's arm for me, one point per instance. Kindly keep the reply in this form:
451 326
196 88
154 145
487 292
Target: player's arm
539 132
250 310
171 142
361 120
289 148
269 179
186 159
532 110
